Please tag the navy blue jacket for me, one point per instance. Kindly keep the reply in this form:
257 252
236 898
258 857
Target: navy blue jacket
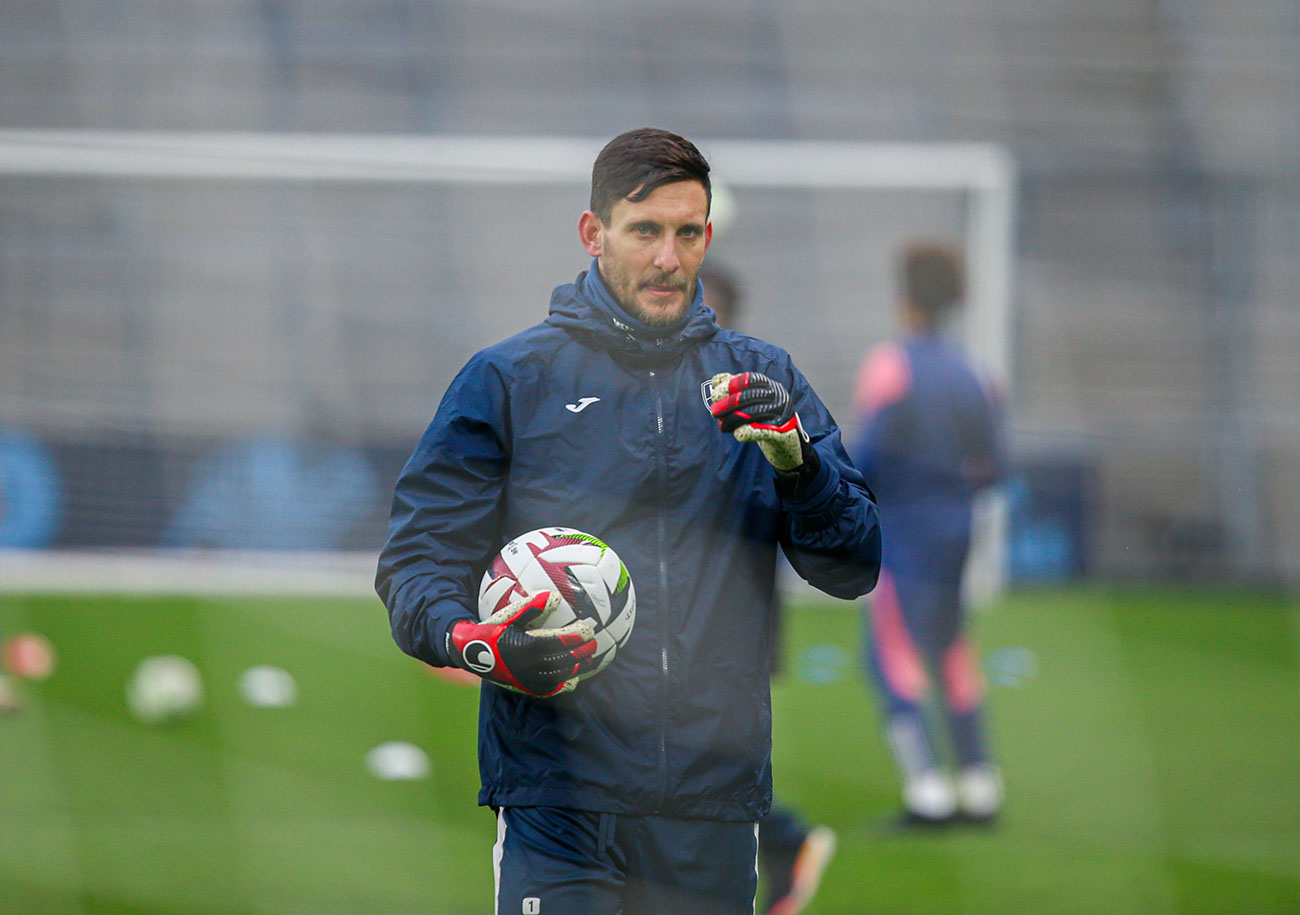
680 723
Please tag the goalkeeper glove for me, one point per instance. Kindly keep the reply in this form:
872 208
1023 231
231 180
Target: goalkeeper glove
538 662
755 408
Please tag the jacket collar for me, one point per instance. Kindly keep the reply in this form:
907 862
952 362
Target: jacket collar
586 307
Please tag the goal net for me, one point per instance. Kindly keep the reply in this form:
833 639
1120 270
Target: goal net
232 341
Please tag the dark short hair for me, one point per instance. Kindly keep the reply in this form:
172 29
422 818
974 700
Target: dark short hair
933 277
633 165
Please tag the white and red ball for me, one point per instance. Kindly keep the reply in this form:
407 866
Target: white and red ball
590 579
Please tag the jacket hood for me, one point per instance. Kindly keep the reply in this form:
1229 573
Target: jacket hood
586 308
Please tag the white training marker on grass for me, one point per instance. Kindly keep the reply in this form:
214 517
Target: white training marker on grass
266 686
164 688
398 761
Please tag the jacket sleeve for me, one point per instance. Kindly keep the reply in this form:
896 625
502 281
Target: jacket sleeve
445 521
831 534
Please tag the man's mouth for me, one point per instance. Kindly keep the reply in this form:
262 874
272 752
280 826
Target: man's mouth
662 290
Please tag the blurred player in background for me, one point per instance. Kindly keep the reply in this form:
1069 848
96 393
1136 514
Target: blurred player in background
793 855
930 441
628 415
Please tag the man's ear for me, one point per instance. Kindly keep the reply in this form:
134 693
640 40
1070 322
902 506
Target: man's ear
592 233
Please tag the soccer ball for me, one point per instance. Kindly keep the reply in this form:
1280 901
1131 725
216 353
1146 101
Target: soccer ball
588 576
164 688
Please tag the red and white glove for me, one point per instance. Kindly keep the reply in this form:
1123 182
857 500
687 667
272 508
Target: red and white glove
537 662
754 408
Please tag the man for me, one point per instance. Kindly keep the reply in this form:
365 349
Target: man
794 855
930 442
638 791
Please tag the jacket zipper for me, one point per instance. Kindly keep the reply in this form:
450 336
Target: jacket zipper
664 615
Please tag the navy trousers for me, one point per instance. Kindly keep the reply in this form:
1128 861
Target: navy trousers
556 861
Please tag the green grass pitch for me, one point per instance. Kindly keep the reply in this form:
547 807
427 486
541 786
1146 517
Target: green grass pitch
1150 740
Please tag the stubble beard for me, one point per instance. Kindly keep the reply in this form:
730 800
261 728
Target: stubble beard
624 289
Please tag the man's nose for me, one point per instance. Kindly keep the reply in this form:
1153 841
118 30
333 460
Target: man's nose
666 256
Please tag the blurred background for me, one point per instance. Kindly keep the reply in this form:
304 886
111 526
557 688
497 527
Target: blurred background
147 325
234 284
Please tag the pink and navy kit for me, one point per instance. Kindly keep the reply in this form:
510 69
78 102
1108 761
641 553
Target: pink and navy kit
929 442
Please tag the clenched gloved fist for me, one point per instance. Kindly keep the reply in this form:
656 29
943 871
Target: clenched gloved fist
755 408
537 662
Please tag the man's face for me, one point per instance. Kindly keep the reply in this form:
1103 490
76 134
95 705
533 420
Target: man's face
650 252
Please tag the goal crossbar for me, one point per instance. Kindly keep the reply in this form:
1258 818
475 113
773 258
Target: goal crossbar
494 160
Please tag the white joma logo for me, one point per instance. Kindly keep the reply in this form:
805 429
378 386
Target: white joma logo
582 404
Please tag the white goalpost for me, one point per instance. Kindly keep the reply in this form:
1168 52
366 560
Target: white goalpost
980 176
